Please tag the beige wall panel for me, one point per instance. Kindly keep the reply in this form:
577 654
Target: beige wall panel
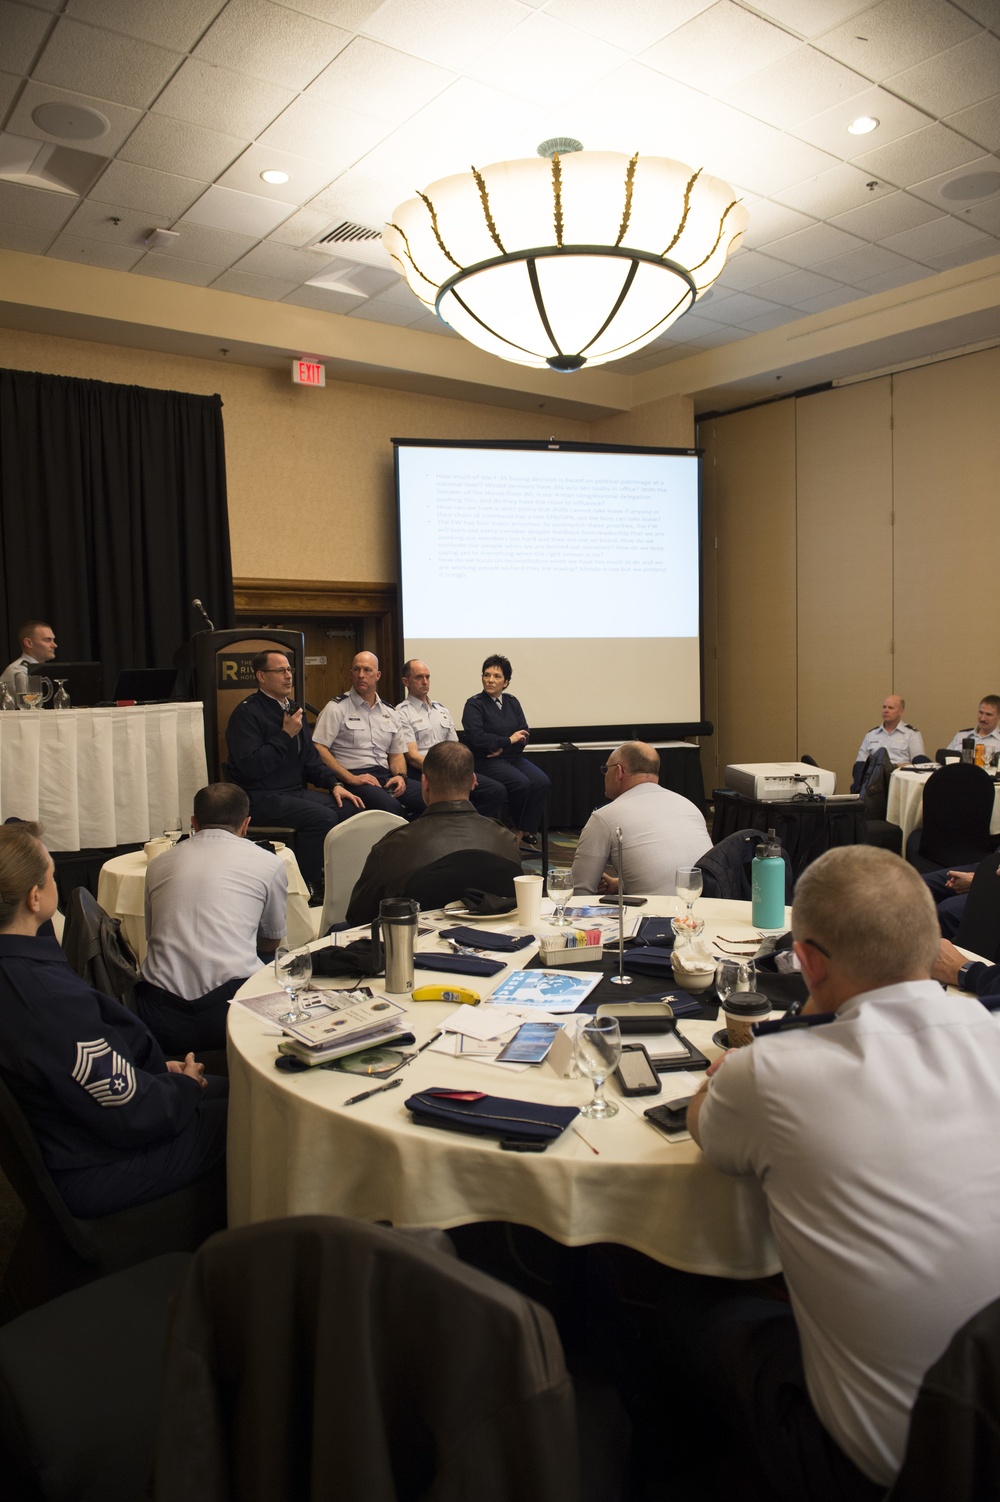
755 514
845 589
947 539
706 440
309 471
663 424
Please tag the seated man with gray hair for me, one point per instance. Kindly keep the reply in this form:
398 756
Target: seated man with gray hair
870 1124
214 904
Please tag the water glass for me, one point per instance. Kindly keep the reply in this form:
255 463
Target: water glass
293 970
560 887
688 884
598 1049
735 975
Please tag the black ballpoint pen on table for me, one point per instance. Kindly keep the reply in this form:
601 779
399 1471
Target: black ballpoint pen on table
367 1094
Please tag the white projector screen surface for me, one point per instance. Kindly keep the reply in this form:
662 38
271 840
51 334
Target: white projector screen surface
580 565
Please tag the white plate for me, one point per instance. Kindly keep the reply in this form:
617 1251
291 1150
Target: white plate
456 910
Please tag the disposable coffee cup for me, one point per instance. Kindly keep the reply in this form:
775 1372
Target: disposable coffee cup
528 891
742 1009
156 847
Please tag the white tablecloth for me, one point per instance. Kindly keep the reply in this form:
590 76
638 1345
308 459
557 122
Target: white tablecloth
295 1149
96 777
121 891
906 802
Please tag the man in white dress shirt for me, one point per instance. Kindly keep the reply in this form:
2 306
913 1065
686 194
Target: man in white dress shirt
660 829
214 905
426 723
361 739
986 731
894 735
38 646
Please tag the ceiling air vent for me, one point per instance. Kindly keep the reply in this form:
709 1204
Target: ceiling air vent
346 233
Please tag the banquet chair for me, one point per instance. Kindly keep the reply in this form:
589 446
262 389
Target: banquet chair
92 942
316 1357
953 1444
957 809
56 1251
445 879
345 850
979 926
873 786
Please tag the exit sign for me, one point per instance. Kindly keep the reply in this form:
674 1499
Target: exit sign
308 373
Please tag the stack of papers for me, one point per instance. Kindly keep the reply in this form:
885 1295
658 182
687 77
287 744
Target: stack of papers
339 1022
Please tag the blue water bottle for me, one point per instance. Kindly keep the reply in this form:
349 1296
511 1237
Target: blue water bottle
767 874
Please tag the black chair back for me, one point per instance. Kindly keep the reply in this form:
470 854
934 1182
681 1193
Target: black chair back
979 929
726 868
873 784
958 807
446 879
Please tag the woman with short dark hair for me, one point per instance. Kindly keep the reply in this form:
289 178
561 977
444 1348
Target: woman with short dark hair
496 731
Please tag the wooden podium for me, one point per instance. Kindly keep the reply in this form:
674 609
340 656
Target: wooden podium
217 667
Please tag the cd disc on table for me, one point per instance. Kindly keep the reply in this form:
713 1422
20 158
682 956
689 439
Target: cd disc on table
376 1062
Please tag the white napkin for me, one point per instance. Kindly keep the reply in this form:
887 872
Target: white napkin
694 958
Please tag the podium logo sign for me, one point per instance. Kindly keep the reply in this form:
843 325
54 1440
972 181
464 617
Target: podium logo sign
235 670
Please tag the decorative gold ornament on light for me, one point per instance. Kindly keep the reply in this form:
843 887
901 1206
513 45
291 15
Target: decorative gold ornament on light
571 261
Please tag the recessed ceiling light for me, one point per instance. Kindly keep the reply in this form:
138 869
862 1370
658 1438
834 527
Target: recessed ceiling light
863 125
274 177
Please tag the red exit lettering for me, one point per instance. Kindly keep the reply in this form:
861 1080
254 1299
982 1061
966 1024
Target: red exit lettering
308 373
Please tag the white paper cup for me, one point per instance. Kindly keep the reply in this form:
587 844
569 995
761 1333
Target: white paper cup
156 847
528 891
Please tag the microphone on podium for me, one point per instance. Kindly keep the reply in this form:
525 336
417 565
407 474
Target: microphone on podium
203 612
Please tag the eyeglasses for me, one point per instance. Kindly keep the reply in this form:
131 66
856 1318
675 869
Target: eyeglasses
279 671
609 766
815 944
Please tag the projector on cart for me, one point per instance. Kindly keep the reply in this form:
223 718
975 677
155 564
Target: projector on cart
774 781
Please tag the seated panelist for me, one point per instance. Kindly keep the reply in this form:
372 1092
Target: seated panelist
902 743
497 731
986 731
362 740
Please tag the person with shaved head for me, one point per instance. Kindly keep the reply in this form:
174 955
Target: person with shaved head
362 740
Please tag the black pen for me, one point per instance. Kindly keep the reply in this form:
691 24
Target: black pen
369 1093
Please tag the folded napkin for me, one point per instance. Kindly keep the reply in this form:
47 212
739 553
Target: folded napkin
500 943
456 964
649 961
490 1115
348 959
694 958
478 901
656 931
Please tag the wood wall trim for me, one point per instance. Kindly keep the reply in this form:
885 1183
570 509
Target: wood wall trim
313 597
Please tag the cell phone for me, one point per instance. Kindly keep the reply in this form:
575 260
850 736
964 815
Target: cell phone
670 1118
626 901
530 1043
635 1073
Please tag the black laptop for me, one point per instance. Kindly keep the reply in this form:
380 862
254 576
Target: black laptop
146 685
84 681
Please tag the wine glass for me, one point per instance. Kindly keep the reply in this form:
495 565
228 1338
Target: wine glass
61 698
293 969
598 1049
688 884
173 832
561 886
734 975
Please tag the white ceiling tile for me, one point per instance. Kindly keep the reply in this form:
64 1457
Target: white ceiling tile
885 216
34 208
834 192
985 216
896 34
953 80
817 243
857 265
176 269
388 312
471 121
32 242
919 156
322 300
71 247
283 262
692 326
399 293
176 25
808 17
105 65
121 119
722 335
221 100
212 247
744 306
888 281
796 87
959 189
829 129
96 221
447 32
9 85
306 177
315 127
828 300
359 196
797 286
749 269
632 24
241 282
963 254
270 41
164 144
935 239
351 14
634 108
544 59
430 323
772 320
745 151
242 213
366 70
986 12
301 227
770 221
159 194
23 30
719 47
980 123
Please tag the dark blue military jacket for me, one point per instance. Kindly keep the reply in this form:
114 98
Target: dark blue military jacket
263 759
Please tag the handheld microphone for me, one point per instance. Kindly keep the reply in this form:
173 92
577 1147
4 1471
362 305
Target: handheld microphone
204 613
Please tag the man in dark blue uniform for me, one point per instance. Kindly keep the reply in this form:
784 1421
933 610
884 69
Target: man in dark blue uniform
272 757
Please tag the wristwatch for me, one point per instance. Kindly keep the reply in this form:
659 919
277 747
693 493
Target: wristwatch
961 979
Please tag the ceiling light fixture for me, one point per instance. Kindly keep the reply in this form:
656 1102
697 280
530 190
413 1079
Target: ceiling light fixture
273 176
863 126
577 259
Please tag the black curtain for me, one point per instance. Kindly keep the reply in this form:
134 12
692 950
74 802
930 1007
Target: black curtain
113 517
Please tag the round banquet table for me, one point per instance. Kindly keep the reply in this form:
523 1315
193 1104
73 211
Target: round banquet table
906 802
294 1148
121 891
